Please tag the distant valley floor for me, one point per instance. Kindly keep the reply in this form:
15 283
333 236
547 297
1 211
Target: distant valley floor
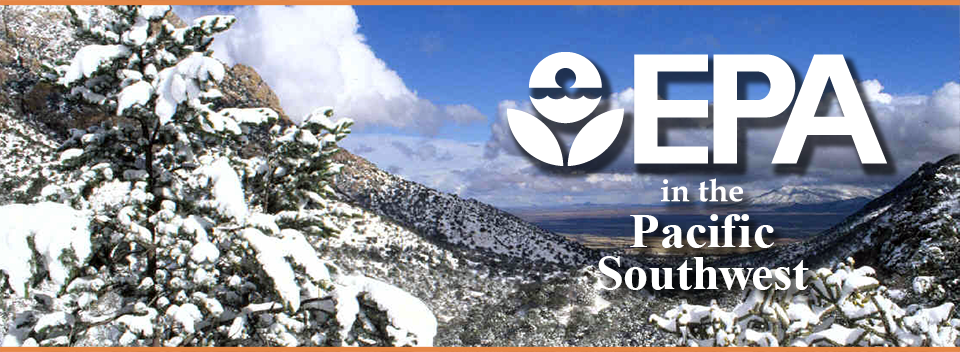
612 227
655 246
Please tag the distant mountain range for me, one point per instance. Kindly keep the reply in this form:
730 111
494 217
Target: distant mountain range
836 199
813 194
847 206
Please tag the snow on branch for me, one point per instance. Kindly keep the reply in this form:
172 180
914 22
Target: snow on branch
227 191
412 322
845 306
54 233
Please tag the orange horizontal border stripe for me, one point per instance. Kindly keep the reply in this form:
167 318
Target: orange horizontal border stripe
484 2
479 349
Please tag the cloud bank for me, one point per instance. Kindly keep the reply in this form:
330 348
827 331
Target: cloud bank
315 56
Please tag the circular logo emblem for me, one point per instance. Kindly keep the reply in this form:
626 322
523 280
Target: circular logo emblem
537 139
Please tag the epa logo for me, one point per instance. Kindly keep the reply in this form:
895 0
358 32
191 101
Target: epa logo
598 134
538 140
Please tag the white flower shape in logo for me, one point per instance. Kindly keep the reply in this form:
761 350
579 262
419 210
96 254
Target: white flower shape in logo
537 139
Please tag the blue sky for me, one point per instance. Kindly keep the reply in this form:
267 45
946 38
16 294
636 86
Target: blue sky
479 55
428 87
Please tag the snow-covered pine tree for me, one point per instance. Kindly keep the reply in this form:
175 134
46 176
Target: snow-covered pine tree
164 249
846 306
160 82
296 170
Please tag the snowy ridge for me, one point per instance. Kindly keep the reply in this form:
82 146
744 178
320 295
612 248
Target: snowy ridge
445 278
453 220
910 231
789 195
490 278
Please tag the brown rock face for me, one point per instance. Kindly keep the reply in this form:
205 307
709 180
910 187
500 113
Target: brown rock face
243 88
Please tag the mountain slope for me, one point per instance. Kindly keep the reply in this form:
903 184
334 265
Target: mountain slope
549 294
453 220
907 232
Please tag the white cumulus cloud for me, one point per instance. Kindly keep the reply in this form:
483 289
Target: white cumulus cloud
315 56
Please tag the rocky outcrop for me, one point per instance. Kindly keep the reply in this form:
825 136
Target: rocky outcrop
242 87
